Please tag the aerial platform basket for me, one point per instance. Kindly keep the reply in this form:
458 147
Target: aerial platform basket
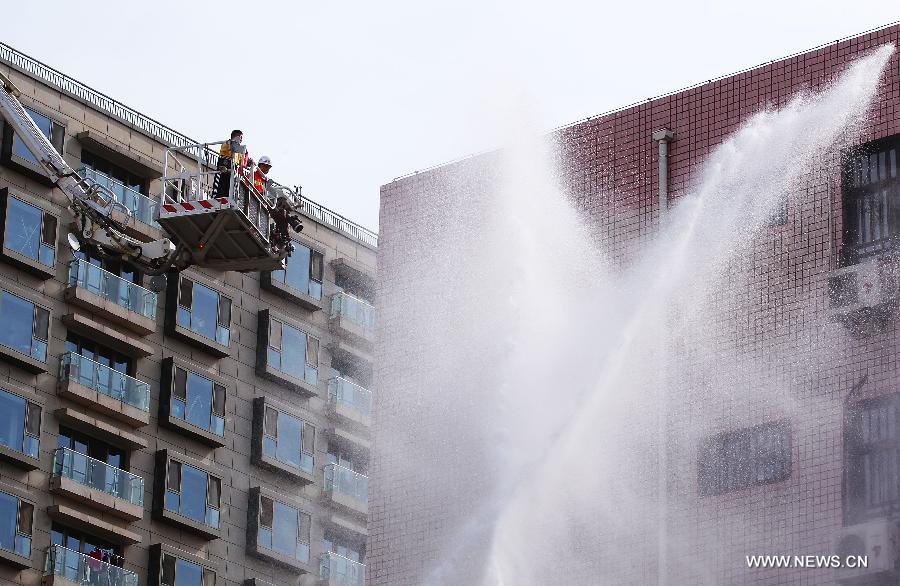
228 233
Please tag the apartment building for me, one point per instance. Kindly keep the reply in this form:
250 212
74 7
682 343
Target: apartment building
211 432
819 478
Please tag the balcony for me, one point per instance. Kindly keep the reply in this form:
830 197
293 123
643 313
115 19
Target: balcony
347 489
103 389
335 570
349 401
353 318
118 300
66 567
140 207
97 484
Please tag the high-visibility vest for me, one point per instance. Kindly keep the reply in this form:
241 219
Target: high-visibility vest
259 181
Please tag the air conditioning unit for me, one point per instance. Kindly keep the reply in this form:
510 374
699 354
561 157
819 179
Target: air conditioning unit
867 289
879 541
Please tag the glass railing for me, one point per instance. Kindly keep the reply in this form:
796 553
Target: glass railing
105 380
342 391
84 569
353 308
112 288
142 208
348 482
340 570
98 475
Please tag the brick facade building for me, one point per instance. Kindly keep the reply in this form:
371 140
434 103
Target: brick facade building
215 433
835 478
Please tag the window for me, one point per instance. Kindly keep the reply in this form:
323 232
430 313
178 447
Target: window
120 174
304 271
26 327
20 424
193 493
283 529
740 459
92 448
198 400
204 311
83 543
345 458
872 446
293 351
871 198
30 231
48 127
288 439
178 572
99 353
346 548
16 517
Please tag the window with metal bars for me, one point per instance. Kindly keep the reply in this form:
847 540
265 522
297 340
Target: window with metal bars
872 458
871 186
739 459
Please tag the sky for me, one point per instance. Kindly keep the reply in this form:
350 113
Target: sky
345 96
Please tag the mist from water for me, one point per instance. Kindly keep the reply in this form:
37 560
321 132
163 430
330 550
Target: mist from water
573 365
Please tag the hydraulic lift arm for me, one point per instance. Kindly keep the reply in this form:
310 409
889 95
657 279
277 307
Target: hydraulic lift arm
90 203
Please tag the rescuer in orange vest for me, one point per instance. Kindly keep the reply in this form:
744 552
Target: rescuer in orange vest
261 175
227 154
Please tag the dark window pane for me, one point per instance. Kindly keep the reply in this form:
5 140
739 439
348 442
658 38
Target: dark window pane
309 438
33 419
214 491
41 323
168 570
48 234
23 227
271 422
305 525
224 311
174 476
219 400
312 351
12 420
180 384
185 297
315 266
193 493
17 317
265 511
26 517
209 577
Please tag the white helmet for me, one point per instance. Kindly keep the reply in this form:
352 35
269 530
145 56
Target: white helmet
265 160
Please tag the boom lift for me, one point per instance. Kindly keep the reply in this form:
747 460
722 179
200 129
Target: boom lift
223 233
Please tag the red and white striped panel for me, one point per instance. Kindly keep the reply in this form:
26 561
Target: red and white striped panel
190 208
